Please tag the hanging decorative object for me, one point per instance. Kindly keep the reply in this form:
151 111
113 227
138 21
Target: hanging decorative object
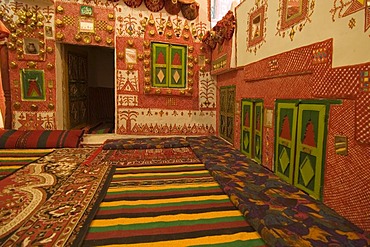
190 11
133 3
154 5
224 29
172 7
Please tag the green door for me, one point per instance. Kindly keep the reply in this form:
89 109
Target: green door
286 126
251 129
246 135
227 111
309 160
257 133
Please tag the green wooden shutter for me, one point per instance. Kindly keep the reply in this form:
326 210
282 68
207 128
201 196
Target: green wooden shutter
177 77
310 147
159 63
257 133
286 126
246 135
227 111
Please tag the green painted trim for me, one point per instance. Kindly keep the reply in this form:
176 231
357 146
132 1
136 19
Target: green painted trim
246 102
256 133
154 65
226 114
253 104
290 144
311 101
319 191
317 152
168 67
182 67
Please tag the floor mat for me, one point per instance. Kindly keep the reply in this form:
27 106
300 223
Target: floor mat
168 205
139 157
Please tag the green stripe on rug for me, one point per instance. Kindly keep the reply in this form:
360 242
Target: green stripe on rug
122 205
95 225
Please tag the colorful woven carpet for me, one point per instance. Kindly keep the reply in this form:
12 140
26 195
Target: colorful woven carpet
50 202
14 159
168 205
139 157
283 215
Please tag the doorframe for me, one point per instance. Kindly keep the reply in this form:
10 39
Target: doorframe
297 102
253 102
6 86
62 80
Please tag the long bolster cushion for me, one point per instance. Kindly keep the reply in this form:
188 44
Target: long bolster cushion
18 139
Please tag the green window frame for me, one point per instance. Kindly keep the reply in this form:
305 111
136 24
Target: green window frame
168 65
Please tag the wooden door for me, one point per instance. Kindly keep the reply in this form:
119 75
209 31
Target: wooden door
251 134
227 111
309 161
286 128
77 89
257 133
246 132
301 128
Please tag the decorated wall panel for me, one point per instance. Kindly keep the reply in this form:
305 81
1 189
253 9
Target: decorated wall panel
142 107
308 73
129 28
31 64
284 25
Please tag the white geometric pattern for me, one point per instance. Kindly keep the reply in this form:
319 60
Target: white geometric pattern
207 91
127 81
47 118
127 100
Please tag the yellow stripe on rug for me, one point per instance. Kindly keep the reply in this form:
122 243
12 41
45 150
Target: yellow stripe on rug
162 187
164 218
243 236
25 151
158 167
158 175
163 201
10 167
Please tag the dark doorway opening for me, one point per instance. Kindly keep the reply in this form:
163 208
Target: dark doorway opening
90 102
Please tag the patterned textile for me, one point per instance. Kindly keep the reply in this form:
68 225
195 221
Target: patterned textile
138 157
101 128
282 214
168 205
17 139
51 201
14 159
145 143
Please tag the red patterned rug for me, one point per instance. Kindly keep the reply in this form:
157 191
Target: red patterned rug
51 202
139 157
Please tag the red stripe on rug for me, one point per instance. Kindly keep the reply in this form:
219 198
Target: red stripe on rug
162 208
167 230
124 196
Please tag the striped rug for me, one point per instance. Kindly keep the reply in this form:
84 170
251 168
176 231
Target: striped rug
168 205
14 159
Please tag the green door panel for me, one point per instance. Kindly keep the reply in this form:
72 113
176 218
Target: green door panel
309 162
257 134
286 126
246 135
159 64
227 111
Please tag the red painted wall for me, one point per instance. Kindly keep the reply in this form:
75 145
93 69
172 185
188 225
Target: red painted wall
299 74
